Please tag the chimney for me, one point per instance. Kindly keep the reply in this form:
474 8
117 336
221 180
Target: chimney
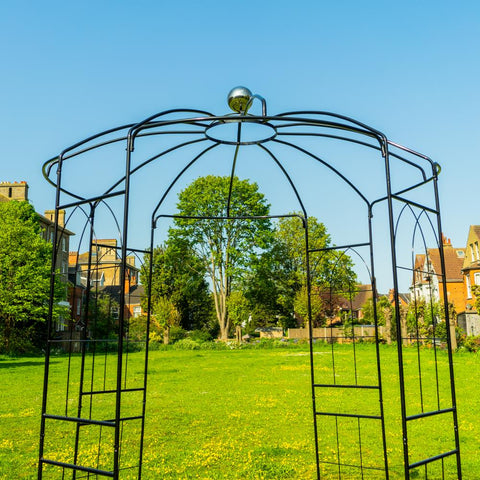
50 214
14 190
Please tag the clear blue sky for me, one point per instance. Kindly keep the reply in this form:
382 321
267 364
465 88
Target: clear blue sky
411 69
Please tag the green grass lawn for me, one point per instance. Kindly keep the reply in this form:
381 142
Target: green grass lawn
242 414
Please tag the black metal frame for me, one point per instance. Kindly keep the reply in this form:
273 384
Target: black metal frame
195 127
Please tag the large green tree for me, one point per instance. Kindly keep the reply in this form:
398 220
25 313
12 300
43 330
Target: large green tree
178 277
225 247
25 260
331 271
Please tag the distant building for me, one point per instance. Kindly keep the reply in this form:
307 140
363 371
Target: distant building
469 318
19 191
428 280
105 266
104 276
353 308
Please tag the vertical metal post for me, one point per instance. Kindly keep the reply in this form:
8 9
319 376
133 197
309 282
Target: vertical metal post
384 146
310 334
147 344
121 317
377 343
49 323
447 320
84 334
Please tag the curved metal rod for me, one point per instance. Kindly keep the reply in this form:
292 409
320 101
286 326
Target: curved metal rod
133 132
167 191
135 129
363 261
50 163
364 126
417 221
417 154
114 218
151 159
323 162
116 129
287 176
138 167
359 142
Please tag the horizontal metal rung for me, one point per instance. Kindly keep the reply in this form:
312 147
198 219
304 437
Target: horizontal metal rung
432 459
90 200
429 414
349 415
339 247
85 421
364 467
71 466
99 392
415 204
125 419
331 385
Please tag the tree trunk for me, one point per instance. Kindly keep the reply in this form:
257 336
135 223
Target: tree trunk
166 335
238 333
453 336
388 325
403 326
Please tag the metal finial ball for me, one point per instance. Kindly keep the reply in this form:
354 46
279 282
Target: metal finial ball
239 99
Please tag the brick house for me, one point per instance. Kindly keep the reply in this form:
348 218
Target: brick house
105 267
427 279
469 318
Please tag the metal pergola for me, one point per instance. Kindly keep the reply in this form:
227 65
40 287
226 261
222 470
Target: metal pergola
93 415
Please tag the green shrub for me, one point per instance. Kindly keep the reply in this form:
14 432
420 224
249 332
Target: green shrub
472 344
200 336
186 344
176 333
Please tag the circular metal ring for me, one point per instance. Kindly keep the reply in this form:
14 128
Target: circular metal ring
245 122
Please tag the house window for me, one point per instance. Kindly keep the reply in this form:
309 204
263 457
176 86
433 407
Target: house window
477 254
476 278
79 307
60 325
469 286
137 311
64 244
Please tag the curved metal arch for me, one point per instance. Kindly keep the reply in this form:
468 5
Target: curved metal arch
136 129
334 170
408 207
289 179
351 140
175 180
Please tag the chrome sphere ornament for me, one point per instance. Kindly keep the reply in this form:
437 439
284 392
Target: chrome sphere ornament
239 99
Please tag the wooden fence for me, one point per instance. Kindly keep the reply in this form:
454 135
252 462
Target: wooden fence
337 334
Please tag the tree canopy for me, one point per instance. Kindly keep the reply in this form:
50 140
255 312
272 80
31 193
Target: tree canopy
331 271
255 270
178 278
225 246
25 262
